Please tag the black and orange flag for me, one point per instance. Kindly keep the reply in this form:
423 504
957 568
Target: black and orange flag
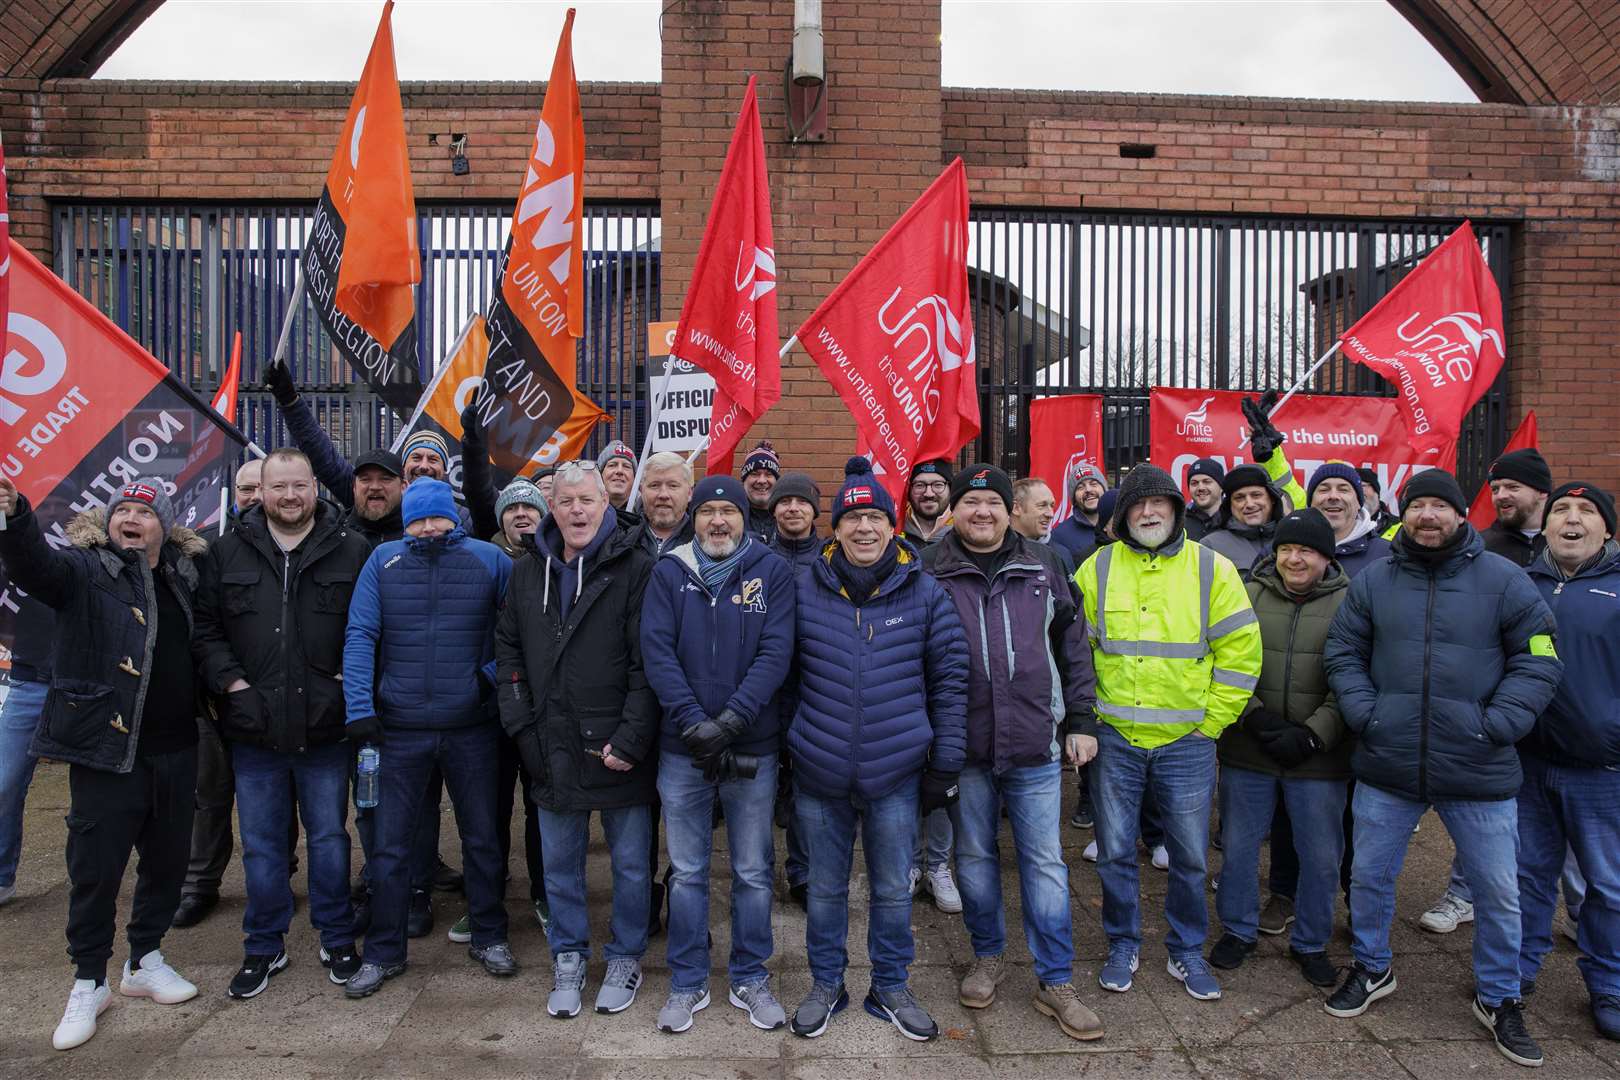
533 413
361 263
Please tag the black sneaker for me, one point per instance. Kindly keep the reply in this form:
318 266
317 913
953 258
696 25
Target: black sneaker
1316 967
1506 1023
340 963
799 895
255 974
1360 989
362 912
1082 817
447 879
419 923
1230 952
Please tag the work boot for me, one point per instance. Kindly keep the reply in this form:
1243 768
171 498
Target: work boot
1062 1003
978 988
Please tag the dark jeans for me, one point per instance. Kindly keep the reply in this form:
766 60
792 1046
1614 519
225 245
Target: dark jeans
265 779
148 809
513 773
424 842
211 839
1283 877
468 759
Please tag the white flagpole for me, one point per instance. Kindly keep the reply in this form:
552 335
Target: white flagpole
787 347
1292 390
296 299
656 406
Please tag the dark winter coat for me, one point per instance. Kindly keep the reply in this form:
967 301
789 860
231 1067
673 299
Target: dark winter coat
1293 683
1581 728
1198 522
1440 671
882 685
106 623
1361 551
419 649
1076 536
277 621
705 653
384 529
798 553
571 685
636 526
1244 544
761 524
1030 679
1512 545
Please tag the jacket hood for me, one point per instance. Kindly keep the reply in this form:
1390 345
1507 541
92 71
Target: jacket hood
1225 520
546 543
1607 560
89 529
1266 573
1360 531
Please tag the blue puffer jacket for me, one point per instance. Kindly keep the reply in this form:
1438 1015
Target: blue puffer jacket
1361 550
1581 728
419 651
1440 671
882 688
705 653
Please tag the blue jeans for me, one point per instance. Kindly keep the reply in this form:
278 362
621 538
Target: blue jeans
1574 883
1316 812
1559 806
564 837
888 828
1034 798
1486 834
689 830
935 838
265 792
1180 778
467 758
19 716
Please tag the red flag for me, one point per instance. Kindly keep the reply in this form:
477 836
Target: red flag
225 397
5 251
1437 337
361 262
895 338
728 320
1483 512
1063 433
529 396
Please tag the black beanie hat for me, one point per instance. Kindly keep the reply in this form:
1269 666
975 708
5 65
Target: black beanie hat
1370 476
1435 483
797 484
982 476
1207 466
1582 490
1526 466
940 467
1307 528
1143 482
1243 476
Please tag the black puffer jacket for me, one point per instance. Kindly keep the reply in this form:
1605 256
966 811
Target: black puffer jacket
106 632
569 686
284 637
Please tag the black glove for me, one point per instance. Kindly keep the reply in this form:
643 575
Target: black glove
279 381
938 790
1263 723
782 811
1264 437
707 738
368 730
472 431
1291 748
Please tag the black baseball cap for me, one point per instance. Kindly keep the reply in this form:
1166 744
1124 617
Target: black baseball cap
383 459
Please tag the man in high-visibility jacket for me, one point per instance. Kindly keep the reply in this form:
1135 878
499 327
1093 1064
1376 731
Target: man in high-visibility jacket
1177 650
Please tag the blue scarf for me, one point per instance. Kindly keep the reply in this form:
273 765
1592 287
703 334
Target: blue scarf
715 571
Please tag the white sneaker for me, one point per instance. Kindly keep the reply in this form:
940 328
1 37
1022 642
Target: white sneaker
943 886
85 1003
916 876
156 980
1161 858
1090 854
1448 913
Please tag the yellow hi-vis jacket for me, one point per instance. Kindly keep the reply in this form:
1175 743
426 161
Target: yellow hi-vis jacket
1175 642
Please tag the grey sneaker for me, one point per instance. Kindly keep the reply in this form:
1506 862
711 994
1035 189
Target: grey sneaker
8 893
369 979
820 1005
764 1011
899 1008
619 985
676 1015
567 983
497 958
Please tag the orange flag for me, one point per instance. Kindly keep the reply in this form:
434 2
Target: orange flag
361 263
225 397
535 415
1483 512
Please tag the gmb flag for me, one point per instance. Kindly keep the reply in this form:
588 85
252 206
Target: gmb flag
86 410
533 414
361 261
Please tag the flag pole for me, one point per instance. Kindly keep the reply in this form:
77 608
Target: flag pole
652 422
292 312
1292 390
787 347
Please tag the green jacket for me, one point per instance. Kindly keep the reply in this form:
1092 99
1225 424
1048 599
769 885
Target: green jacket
1293 682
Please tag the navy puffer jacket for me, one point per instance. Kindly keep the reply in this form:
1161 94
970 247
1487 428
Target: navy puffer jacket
1440 671
419 651
882 687
1581 728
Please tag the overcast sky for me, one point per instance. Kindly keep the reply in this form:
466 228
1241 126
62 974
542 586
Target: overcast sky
1290 48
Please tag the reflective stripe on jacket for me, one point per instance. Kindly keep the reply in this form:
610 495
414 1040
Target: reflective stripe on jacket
1167 663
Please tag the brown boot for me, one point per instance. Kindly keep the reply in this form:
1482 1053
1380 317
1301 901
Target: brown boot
1062 1003
979 986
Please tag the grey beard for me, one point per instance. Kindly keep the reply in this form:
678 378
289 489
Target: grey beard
1155 537
727 547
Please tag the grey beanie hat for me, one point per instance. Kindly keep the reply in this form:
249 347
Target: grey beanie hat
148 491
520 492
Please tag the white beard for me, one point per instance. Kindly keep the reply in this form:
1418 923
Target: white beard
726 547
1155 537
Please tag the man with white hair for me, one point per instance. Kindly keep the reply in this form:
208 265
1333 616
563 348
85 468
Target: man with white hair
666 488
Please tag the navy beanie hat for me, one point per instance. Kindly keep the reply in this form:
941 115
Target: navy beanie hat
719 489
1334 470
861 490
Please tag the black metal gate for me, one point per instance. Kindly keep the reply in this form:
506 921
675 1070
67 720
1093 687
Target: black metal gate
182 279
1117 303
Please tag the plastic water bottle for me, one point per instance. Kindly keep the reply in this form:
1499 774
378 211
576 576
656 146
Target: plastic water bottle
366 781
